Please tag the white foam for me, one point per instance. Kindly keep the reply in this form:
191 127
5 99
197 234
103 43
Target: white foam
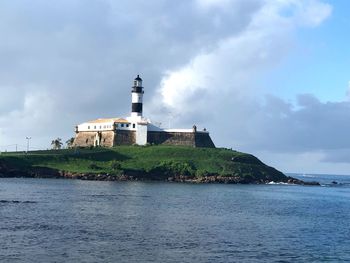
279 183
307 175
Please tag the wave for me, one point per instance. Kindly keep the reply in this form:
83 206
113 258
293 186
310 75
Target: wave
307 175
279 183
16 202
116 195
335 184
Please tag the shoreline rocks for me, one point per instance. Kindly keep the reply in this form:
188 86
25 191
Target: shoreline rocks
135 175
43 172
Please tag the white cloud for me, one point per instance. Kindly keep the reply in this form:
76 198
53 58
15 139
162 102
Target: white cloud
348 91
313 13
208 4
35 117
220 88
238 57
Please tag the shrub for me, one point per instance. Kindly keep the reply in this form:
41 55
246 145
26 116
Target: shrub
171 168
202 173
115 165
118 172
116 168
93 166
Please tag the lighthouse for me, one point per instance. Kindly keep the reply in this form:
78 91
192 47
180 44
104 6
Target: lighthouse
136 129
136 98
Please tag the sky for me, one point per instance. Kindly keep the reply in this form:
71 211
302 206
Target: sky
268 77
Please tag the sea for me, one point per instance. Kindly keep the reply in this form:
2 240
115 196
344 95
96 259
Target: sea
57 220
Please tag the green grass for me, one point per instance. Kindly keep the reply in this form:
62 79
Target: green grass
199 161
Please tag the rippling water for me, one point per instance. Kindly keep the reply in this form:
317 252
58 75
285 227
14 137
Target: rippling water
48 220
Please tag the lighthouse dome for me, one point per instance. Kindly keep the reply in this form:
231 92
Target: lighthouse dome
138 78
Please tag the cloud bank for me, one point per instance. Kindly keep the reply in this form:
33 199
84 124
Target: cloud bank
202 61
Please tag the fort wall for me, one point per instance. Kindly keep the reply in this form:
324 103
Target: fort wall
87 139
125 137
203 140
194 139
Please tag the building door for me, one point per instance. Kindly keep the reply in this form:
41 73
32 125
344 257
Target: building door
98 139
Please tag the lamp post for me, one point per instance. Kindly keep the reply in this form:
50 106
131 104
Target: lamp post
28 138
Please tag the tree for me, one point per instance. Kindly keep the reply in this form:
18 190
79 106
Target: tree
70 142
56 144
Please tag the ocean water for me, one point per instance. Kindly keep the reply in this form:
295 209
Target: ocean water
49 220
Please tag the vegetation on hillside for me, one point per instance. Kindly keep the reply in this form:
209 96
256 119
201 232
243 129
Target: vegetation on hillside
154 161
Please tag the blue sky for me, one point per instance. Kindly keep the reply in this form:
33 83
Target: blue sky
320 61
268 77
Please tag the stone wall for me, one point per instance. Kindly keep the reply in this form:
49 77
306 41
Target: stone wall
125 137
120 137
203 140
171 138
193 139
107 139
87 139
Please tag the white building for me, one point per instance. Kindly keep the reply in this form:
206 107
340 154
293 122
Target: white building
136 129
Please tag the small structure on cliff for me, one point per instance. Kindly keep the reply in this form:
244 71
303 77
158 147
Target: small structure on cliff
136 129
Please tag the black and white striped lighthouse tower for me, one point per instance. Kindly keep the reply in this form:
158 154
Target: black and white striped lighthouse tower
136 98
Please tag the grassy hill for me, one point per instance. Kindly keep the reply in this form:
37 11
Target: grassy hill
150 162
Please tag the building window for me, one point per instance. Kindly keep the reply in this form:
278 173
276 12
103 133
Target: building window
88 127
122 125
100 126
133 125
127 125
95 127
87 140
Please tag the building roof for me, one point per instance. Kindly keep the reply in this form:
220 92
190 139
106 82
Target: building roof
117 120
